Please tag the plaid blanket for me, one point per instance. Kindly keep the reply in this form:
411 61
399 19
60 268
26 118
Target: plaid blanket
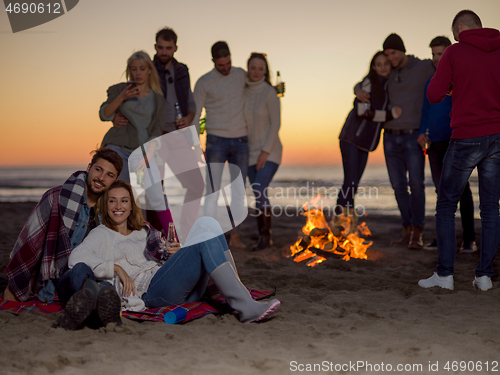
42 249
194 310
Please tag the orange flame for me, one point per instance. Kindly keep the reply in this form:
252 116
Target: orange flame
318 235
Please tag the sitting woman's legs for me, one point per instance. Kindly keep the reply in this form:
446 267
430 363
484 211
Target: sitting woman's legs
183 278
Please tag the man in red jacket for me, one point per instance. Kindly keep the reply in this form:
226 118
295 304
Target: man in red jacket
471 69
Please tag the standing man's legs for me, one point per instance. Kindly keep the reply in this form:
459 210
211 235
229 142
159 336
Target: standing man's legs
458 164
437 151
217 152
489 195
184 165
238 157
415 161
467 217
396 168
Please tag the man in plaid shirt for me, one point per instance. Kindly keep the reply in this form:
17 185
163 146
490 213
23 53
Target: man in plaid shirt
59 223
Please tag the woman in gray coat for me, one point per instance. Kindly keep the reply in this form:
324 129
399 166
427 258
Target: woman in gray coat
141 101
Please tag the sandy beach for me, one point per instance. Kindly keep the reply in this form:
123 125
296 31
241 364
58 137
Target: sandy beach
361 316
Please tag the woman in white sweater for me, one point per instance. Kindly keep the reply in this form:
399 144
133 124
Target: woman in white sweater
125 246
262 116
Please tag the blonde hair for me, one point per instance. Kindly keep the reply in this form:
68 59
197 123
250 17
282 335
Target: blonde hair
144 59
135 221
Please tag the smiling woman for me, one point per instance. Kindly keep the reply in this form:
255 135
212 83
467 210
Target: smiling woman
119 208
126 246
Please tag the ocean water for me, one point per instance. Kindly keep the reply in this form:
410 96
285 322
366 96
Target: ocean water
291 187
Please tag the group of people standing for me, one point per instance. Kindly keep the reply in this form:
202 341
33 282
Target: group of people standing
242 123
87 239
446 108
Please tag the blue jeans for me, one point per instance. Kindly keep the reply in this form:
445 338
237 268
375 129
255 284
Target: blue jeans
462 157
353 162
72 280
260 180
436 153
218 151
183 277
405 164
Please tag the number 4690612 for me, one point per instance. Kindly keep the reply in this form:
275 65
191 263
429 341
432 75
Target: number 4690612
33 8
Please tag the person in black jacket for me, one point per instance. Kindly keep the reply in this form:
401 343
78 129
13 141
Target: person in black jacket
361 132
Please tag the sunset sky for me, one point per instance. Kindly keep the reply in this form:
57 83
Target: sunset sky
54 77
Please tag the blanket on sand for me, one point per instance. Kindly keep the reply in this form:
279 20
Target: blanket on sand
194 310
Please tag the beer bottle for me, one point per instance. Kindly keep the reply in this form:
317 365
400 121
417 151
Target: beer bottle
178 115
426 149
280 85
140 177
202 124
171 236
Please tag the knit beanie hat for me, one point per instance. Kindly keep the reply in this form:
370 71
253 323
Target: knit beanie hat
394 41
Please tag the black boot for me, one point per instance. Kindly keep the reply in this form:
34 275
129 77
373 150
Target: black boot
79 306
109 306
264 221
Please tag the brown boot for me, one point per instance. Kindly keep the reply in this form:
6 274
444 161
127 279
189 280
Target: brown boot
416 242
405 237
264 223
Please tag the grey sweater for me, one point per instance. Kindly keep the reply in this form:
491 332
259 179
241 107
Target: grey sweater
406 90
128 135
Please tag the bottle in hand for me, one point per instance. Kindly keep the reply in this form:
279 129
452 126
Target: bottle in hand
280 85
171 236
178 115
426 149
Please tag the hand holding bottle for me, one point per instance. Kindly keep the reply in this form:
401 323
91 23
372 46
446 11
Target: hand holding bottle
280 85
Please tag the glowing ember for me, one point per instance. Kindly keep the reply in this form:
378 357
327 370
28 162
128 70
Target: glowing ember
344 241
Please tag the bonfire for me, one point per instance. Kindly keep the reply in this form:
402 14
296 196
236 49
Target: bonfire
319 241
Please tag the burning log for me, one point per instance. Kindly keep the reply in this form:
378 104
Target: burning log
319 232
305 242
306 254
330 246
315 260
319 241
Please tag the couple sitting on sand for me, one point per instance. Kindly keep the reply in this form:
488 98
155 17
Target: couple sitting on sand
58 235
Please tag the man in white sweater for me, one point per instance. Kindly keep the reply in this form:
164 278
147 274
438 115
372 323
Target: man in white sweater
220 92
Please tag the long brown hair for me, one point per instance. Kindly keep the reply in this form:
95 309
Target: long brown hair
135 221
374 77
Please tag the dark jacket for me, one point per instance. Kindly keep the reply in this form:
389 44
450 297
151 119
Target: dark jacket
182 82
363 133
127 135
436 118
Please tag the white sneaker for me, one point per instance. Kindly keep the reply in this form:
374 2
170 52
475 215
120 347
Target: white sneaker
445 282
482 283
